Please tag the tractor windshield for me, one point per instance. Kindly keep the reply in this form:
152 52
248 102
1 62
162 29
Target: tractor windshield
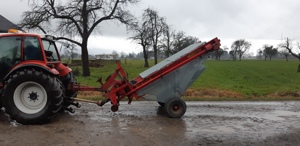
50 50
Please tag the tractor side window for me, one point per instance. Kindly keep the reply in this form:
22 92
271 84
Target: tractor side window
32 49
10 48
50 50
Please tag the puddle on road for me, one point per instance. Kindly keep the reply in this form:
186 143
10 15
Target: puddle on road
146 123
254 119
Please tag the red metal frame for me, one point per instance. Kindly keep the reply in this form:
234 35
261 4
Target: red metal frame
116 89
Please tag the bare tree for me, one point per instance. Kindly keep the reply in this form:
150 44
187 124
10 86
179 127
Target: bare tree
168 40
76 18
181 41
289 45
156 25
238 48
142 36
285 53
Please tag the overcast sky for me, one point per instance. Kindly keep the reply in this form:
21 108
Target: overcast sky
258 21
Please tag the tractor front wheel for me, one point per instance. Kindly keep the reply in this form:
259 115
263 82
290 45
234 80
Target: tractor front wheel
32 97
175 107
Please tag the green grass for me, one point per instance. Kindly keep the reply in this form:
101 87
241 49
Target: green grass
132 67
250 78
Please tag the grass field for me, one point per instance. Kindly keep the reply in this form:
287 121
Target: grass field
246 79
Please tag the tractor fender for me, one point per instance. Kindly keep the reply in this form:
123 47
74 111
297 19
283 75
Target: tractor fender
52 71
63 69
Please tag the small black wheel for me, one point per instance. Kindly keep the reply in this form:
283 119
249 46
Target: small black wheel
175 107
161 103
32 97
114 108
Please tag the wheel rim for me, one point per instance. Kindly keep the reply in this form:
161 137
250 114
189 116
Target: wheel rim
176 108
30 97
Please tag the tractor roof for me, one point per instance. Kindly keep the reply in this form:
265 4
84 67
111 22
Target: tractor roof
49 37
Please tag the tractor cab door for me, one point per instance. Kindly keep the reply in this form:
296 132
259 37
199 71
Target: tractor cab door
10 54
32 49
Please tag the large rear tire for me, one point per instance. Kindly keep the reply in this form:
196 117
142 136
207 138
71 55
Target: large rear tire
32 97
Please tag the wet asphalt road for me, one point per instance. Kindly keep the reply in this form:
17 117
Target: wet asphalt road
145 123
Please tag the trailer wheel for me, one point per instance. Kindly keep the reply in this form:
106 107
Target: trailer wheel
32 97
175 108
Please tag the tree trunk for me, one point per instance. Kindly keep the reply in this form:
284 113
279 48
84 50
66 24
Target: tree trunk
168 53
155 54
286 58
146 63
85 58
298 68
145 57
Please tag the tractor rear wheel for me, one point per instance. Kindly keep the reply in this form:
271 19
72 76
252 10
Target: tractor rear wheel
32 96
175 107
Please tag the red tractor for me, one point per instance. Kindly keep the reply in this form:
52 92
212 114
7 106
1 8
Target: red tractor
33 80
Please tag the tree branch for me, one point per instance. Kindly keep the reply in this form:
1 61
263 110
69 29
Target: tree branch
56 15
105 17
67 39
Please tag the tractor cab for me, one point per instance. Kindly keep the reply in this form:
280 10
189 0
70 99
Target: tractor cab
24 48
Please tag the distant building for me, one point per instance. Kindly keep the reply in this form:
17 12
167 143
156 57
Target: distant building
106 56
5 25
